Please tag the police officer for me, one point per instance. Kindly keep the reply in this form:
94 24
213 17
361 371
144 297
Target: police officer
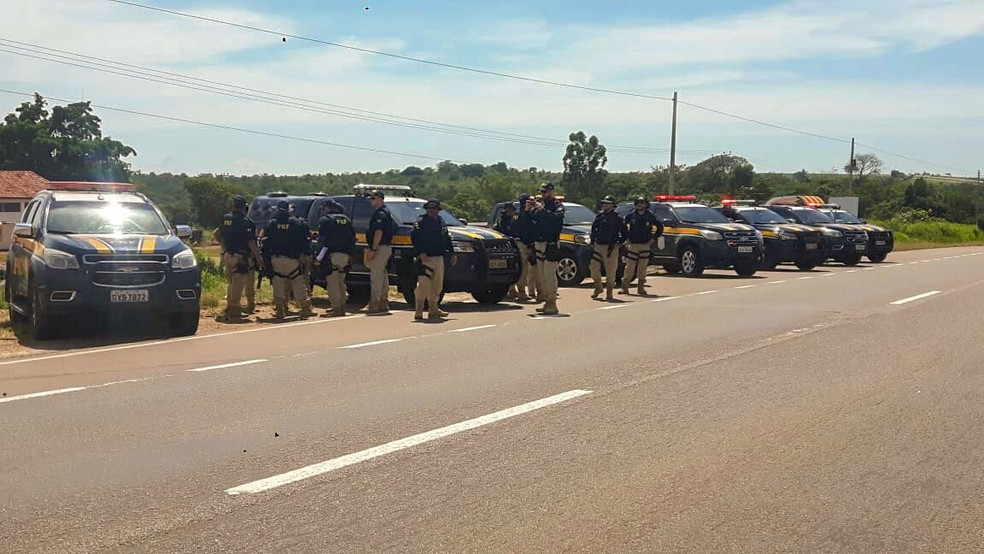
643 227
508 225
237 235
527 250
336 241
287 240
379 241
431 243
548 218
607 236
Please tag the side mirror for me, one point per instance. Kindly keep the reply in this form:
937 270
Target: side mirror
463 221
183 231
24 231
865 221
791 220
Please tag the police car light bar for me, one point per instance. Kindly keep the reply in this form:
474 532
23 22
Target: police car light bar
674 198
84 186
733 202
363 189
828 206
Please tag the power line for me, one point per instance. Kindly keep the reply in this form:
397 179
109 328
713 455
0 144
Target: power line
911 159
238 129
175 79
393 55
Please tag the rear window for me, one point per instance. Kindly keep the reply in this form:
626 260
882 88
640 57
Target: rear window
105 218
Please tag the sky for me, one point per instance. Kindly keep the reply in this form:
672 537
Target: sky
900 76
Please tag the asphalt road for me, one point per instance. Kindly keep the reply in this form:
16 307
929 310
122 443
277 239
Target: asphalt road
837 410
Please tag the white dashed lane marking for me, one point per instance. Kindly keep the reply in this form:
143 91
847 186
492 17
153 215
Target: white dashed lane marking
476 328
614 307
373 343
234 364
402 444
745 287
916 297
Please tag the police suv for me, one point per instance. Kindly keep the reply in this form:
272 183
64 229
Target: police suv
99 248
784 242
696 237
575 241
488 261
881 241
845 243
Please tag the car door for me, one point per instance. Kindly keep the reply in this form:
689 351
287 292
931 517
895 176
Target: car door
21 250
666 244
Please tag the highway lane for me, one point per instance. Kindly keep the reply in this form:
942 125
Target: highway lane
105 466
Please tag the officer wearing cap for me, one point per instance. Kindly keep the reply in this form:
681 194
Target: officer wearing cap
237 235
530 276
287 240
379 240
508 225
431 243
336 242
643 227
548 217
607 236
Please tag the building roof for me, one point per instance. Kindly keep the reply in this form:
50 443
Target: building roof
21 184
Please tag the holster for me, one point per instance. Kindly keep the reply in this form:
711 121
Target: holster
552 252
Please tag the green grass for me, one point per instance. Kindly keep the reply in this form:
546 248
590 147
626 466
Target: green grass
934 233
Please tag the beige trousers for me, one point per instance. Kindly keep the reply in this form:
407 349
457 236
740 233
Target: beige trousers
430 283
637 263
529 277
602 256
548 274
335 281
283 266
235 283
378 280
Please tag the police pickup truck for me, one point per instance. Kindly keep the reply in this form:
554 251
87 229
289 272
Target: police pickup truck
488 261
84 249
845 243
881 241
784 242
575 241
696 237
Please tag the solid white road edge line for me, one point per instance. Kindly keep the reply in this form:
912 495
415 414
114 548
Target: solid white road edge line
395 446
373 343
916 297
233 364
40 394
466 329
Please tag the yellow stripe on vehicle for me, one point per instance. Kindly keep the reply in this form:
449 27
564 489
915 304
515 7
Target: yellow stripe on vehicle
569 237
768 233
360 237
680 231
402 240
148 245
101 246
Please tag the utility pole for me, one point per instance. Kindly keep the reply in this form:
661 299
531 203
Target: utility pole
853 167
673 146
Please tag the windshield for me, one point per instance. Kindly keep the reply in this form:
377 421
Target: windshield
812 217
263 209
840 216
700 214
408 212
105 218
761 216
576 214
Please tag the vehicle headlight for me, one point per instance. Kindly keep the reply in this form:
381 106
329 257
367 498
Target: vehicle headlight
184 260
56 259
832 233
461 246
582 239
784 235
711 235
759 237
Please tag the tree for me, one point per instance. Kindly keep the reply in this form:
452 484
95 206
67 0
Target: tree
584 173
65 144
865 165
210 199
721 174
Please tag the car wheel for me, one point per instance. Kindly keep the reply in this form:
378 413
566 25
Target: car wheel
183 324
42 324
769 261
569 273
672 268
746 268
851 261
490 295
808 265
690 263
878 258
358 297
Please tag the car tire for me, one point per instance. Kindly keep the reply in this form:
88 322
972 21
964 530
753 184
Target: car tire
42 325
358 297
746 268
851 261
769 261
691 264
490 295
569 272
183 324
808 265
672 268
878 258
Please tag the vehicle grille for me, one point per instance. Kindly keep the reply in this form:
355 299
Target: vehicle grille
103 258
740 236
500 246
856 236
126 279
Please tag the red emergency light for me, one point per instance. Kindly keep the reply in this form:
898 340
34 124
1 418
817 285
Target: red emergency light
674 198
84 186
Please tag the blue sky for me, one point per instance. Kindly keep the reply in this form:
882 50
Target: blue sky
899 75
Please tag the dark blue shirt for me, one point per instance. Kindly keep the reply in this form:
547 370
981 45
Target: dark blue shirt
641 226
382 220
287 236
607 228
549 221
430 236
237 232
336 233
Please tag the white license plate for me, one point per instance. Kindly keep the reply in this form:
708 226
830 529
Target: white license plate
880 243
498 264
129 296
746 249
860 247
811 246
